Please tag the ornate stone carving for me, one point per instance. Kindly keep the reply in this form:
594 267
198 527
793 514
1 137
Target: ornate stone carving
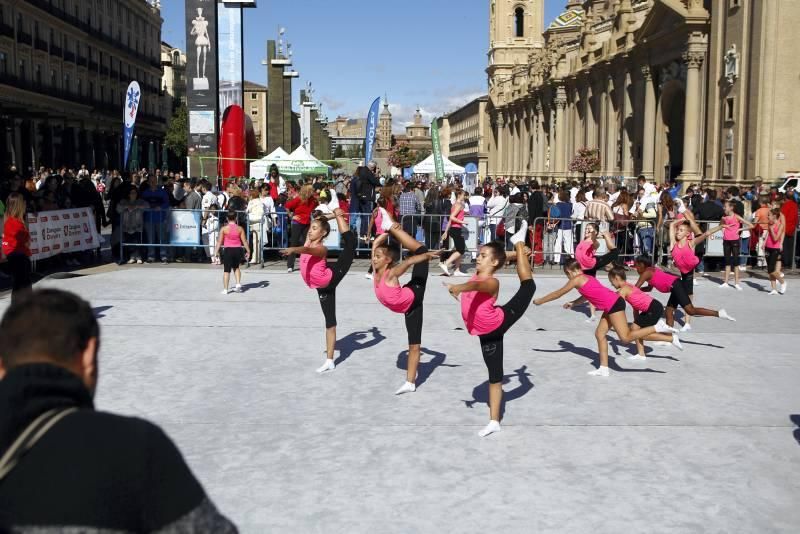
731 64
647 73
693 59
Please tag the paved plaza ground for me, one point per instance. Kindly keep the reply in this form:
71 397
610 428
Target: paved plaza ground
695 441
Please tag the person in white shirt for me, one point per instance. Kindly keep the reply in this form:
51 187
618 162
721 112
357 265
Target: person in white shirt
210 207
495 208
513 189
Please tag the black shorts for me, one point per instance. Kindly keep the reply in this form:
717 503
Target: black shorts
687 279
457 236
232 258
327 295
619 306
731 249
602 261
678 296
773 256
651 316
492 343
417 284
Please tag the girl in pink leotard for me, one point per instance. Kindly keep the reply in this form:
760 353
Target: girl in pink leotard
646 311
406 299
325 278
612 305
773 247
490 322
684 236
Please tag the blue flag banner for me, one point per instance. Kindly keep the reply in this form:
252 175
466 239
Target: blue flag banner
132 97
372 130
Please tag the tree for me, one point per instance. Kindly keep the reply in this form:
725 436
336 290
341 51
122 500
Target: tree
402 156
585 161
178 132
339 153
422 154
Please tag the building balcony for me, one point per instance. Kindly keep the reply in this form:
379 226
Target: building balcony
55 50
6 30
104 70
41 44
82 61
24 38
69 56
93 66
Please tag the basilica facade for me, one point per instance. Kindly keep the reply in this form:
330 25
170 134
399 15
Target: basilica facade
696 90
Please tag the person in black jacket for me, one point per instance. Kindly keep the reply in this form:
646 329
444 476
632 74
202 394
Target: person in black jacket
367 182
89 470
708 210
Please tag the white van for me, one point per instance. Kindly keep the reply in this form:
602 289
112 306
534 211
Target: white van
790 179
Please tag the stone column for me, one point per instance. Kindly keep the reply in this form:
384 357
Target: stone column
691 134
501 127
612 128
541 142
561 132
648 135
626 114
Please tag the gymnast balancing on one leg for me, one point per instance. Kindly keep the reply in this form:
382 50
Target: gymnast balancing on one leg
682 244
490 322
671 285
318 274
647 311
612 305
405 299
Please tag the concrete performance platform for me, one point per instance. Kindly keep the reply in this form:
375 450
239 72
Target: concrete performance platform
704 440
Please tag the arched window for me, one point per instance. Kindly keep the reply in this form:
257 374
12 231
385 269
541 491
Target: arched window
519 22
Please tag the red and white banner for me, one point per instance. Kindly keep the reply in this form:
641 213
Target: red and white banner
57 231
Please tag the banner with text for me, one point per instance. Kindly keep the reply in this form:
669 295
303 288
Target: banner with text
372 130
437 151
57 231
184 227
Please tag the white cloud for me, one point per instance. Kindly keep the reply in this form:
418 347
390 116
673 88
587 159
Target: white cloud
430 106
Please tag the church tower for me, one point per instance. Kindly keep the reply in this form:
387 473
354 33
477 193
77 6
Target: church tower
515 30
385 128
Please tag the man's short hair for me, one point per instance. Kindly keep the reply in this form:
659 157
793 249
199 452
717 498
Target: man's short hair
372 165
49 323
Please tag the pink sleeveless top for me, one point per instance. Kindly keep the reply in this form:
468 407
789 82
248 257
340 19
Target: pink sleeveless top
379 222
597 294
460 217
638 299
662 281
584 254
397 299
684 257
479 312
231 239
732 233
772 243
314 271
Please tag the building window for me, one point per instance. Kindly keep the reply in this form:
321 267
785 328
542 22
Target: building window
729 106
37 76
519 22
736 4
253 96
254 111
3 63
66 82
21 72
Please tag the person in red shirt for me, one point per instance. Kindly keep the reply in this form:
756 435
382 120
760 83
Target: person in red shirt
301 207
789 211
16 246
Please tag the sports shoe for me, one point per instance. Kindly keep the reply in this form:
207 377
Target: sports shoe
224 291
130 261
782 288
742 267
723 285
237 288
637 358
591 319
738 287
368 276
164 261
686 328
773 292
459 273
663 328
327 366
724 315
408 387
600 371
290 270
519 236
661 344
139 261
444 269
491 428
676 342
386 221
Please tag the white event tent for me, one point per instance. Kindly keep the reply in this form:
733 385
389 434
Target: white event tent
260 168
427 166
298 162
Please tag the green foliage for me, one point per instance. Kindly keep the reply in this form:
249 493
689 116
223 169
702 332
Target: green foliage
339 153
178 132
422 154
402 156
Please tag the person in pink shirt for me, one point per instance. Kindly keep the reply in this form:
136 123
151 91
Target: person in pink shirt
647 311
682 243
613 307
773 249
483 318
325 277
233 241
731 243
406 299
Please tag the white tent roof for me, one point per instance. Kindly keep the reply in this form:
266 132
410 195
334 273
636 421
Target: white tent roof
427 166
298 162
260 168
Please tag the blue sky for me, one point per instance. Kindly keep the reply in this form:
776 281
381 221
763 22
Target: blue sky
426 53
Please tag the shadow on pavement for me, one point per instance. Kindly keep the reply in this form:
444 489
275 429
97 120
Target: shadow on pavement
351 343
795 418
255 285
481 392
425 369
587 353
98 311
